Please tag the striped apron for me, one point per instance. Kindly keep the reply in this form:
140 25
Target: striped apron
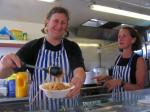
48 58
121 73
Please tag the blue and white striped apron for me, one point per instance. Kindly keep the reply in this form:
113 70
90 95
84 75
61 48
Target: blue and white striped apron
121 73
48 58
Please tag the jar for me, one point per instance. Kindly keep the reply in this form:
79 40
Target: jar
25 36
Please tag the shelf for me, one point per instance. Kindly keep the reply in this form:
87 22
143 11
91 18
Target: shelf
12 43
12 99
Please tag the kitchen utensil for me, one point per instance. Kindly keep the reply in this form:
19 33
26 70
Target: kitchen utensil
11 88
52 70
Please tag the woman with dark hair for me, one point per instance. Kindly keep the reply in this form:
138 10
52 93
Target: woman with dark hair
51 50
129 70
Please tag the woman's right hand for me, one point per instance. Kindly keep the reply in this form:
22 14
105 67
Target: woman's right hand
8 63
102 78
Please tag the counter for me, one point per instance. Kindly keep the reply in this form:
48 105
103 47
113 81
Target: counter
13 99
10 104
120 102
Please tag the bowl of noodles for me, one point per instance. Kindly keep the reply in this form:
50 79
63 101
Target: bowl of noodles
56 89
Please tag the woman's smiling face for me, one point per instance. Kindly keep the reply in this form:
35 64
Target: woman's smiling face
57 25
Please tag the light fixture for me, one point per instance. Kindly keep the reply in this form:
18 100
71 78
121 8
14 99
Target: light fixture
94 23
127 25
48 0
119 12
88 45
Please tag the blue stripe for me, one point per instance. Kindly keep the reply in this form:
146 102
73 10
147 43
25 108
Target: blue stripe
46 65
50 58
36 81
54 59
65 66
50 62
44 75
35 77
123 72
39 78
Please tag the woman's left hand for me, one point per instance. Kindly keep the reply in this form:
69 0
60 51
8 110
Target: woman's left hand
111 84
77 82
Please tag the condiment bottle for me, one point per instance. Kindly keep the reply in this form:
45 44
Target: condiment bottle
21 84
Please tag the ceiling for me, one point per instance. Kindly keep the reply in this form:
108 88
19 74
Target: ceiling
35 11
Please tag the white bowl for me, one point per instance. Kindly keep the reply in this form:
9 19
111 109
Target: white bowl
55 93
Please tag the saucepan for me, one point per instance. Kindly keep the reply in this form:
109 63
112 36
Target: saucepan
100 71
94 72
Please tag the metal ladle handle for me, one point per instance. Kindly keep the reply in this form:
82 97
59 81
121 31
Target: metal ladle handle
55 71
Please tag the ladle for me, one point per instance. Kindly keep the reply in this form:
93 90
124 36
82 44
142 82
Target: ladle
52 70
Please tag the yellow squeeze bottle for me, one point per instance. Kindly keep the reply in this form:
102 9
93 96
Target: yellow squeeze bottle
21 84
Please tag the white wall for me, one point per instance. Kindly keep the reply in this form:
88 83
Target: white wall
33 29
91 57
7 50
90 53
109 54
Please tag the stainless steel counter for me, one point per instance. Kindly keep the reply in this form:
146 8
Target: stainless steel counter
120 102
13 99
10 104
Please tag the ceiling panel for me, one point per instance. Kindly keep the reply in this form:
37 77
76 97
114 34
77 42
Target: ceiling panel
35 11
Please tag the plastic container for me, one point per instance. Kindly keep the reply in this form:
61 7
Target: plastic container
18 34
3 91
3 83
25 36
11 88
21 84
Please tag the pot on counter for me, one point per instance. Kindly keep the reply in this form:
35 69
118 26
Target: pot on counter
100 71
94 72
88 79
